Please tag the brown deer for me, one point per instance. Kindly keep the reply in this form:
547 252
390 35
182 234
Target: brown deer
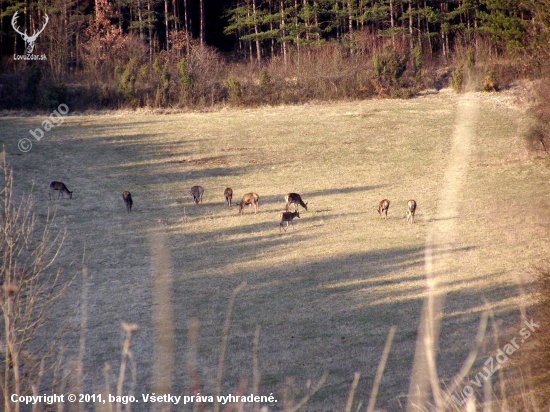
228 194
411 209
61 188
383 208
127 196
250 199
295 199
196 192
287 217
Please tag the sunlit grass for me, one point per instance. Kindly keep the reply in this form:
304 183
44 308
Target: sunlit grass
324 293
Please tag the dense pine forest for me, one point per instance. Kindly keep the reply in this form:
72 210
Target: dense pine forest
202 53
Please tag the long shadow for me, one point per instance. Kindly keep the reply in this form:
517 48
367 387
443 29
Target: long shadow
341 190
311 322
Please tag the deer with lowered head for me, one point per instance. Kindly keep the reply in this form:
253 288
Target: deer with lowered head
295 199
228 194
196 192
287 217
411 209
61 188
127 196
251 199
383 208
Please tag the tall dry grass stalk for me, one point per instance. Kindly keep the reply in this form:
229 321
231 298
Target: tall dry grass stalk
288 401
380 370
223 348
163 317
82 340
31 286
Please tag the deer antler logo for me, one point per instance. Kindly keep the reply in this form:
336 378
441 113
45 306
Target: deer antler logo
29 40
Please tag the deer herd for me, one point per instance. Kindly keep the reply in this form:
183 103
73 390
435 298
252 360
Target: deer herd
252 199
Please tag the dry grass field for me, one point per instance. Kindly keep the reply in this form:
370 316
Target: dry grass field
326 293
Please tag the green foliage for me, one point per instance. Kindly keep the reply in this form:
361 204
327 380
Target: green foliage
234 89
127 80
266 83
54 95
457 79
183 73
389 66
490 83
34 78
505 21
417 65
184 80
162 81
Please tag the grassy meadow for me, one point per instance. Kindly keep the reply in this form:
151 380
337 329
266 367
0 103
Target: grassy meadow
326 293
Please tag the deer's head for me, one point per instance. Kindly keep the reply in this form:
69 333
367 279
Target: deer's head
29 40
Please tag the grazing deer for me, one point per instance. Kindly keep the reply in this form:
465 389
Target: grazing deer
383 208
127 196
196 192
287 217
228 194
250 199
411 205
295 199
61 188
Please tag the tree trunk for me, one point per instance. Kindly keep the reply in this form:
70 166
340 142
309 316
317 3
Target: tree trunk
119 17
186 25
176 17
428 30
283 32
392 24
350 26
258 54
167 24
271 28
410 25
203 32
150 32
140 18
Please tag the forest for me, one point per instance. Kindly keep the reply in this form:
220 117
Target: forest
95 54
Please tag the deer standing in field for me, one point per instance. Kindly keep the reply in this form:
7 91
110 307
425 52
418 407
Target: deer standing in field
250 199
411 209
383 208
127 196
60 187
295 199
228 194
287 217
196 192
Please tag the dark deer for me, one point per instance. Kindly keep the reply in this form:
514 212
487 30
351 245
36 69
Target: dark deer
61 188
127 196
383 208
411 205
250 199
29 40
295 199
196 192
287 217
228 194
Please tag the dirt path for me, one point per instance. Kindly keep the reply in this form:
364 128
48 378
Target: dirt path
441 240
